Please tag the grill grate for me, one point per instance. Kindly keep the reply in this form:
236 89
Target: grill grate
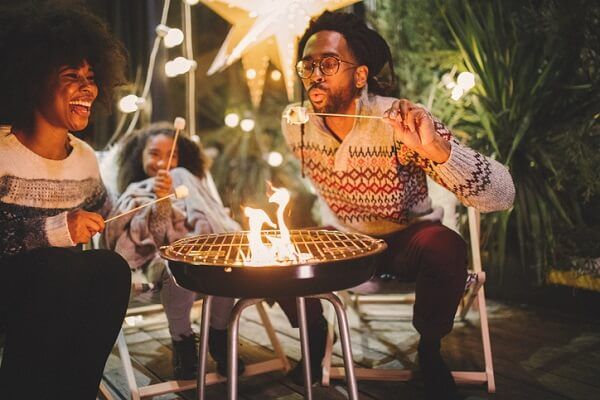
232 250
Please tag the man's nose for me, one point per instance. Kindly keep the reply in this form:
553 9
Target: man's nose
317 76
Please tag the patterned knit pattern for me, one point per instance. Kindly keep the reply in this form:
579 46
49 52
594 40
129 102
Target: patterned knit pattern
36 194
376 185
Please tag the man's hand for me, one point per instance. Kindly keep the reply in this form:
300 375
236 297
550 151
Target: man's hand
83 225
414 127
163 184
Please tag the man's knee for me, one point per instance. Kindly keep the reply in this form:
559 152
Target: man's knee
445 250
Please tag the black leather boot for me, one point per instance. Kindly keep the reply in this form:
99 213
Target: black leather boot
185 358
217 347
438 381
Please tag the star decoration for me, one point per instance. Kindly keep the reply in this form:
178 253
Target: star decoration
265 31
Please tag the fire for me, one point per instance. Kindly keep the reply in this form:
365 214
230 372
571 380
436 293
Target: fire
280 249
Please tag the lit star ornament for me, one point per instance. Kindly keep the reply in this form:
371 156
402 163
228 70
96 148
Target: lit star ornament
263 31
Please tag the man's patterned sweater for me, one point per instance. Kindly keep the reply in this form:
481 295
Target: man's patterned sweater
376 185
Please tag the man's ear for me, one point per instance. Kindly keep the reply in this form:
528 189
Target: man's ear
360 76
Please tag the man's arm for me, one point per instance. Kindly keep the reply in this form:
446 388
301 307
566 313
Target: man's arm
476 180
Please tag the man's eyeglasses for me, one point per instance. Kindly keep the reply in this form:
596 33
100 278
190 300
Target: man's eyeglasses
329 65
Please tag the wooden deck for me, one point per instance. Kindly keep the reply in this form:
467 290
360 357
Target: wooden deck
538 355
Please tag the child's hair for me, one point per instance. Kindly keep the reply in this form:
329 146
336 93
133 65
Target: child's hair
129 160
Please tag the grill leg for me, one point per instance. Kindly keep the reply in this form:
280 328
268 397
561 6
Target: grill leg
301 306
202 351
232 343
345 339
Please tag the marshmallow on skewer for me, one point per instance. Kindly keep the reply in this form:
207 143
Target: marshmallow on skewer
181 192
179 123
299 115
296 115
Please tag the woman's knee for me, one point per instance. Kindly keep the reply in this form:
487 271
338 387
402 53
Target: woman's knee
109 266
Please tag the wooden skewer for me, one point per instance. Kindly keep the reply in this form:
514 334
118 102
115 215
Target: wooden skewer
180 193
179 125
345 115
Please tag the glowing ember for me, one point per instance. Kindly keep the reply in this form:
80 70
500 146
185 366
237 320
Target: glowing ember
280 249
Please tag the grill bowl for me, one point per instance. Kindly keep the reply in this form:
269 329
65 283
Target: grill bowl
215 264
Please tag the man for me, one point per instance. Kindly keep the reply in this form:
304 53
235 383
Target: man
372 175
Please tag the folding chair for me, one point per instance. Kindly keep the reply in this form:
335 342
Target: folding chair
474 291
279 362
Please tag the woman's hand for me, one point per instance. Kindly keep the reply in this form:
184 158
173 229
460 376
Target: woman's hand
414 127
83 225
163 184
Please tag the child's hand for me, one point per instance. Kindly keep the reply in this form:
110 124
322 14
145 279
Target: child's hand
163 184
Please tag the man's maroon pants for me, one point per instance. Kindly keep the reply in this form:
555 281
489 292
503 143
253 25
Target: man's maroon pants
428 253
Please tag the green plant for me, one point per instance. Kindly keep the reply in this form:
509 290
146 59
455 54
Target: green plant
535 90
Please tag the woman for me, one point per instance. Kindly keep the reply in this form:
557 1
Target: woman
61 307
143 161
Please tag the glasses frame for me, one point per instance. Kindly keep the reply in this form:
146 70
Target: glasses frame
319 63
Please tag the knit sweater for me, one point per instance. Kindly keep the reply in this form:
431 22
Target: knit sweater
376 185
36 193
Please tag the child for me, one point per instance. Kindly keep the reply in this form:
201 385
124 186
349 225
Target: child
143 177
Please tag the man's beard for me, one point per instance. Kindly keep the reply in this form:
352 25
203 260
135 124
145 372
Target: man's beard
337 102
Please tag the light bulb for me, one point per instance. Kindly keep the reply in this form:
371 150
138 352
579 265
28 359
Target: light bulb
247 124
173 38
275 159
276 75
466 80
251 73
128 104
178 66
232 120
457 92
192 2
171 69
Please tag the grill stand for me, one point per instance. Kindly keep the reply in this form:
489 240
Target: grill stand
233 344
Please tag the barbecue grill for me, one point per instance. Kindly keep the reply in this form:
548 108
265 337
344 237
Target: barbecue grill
220 264
322 261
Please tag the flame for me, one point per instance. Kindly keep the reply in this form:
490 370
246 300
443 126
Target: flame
281 248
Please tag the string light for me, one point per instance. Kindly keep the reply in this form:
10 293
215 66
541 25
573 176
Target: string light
275 159
130 103
247 124
457 93
173 38
276 75
179 66
232 120
466 80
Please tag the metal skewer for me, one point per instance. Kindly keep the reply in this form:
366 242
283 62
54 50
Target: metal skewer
179 125
180 192
345 115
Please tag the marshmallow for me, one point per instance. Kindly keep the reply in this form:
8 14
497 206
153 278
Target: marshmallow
179 123
296 115
181 191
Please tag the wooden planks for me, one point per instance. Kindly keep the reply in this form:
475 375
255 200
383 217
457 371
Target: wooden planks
538 355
